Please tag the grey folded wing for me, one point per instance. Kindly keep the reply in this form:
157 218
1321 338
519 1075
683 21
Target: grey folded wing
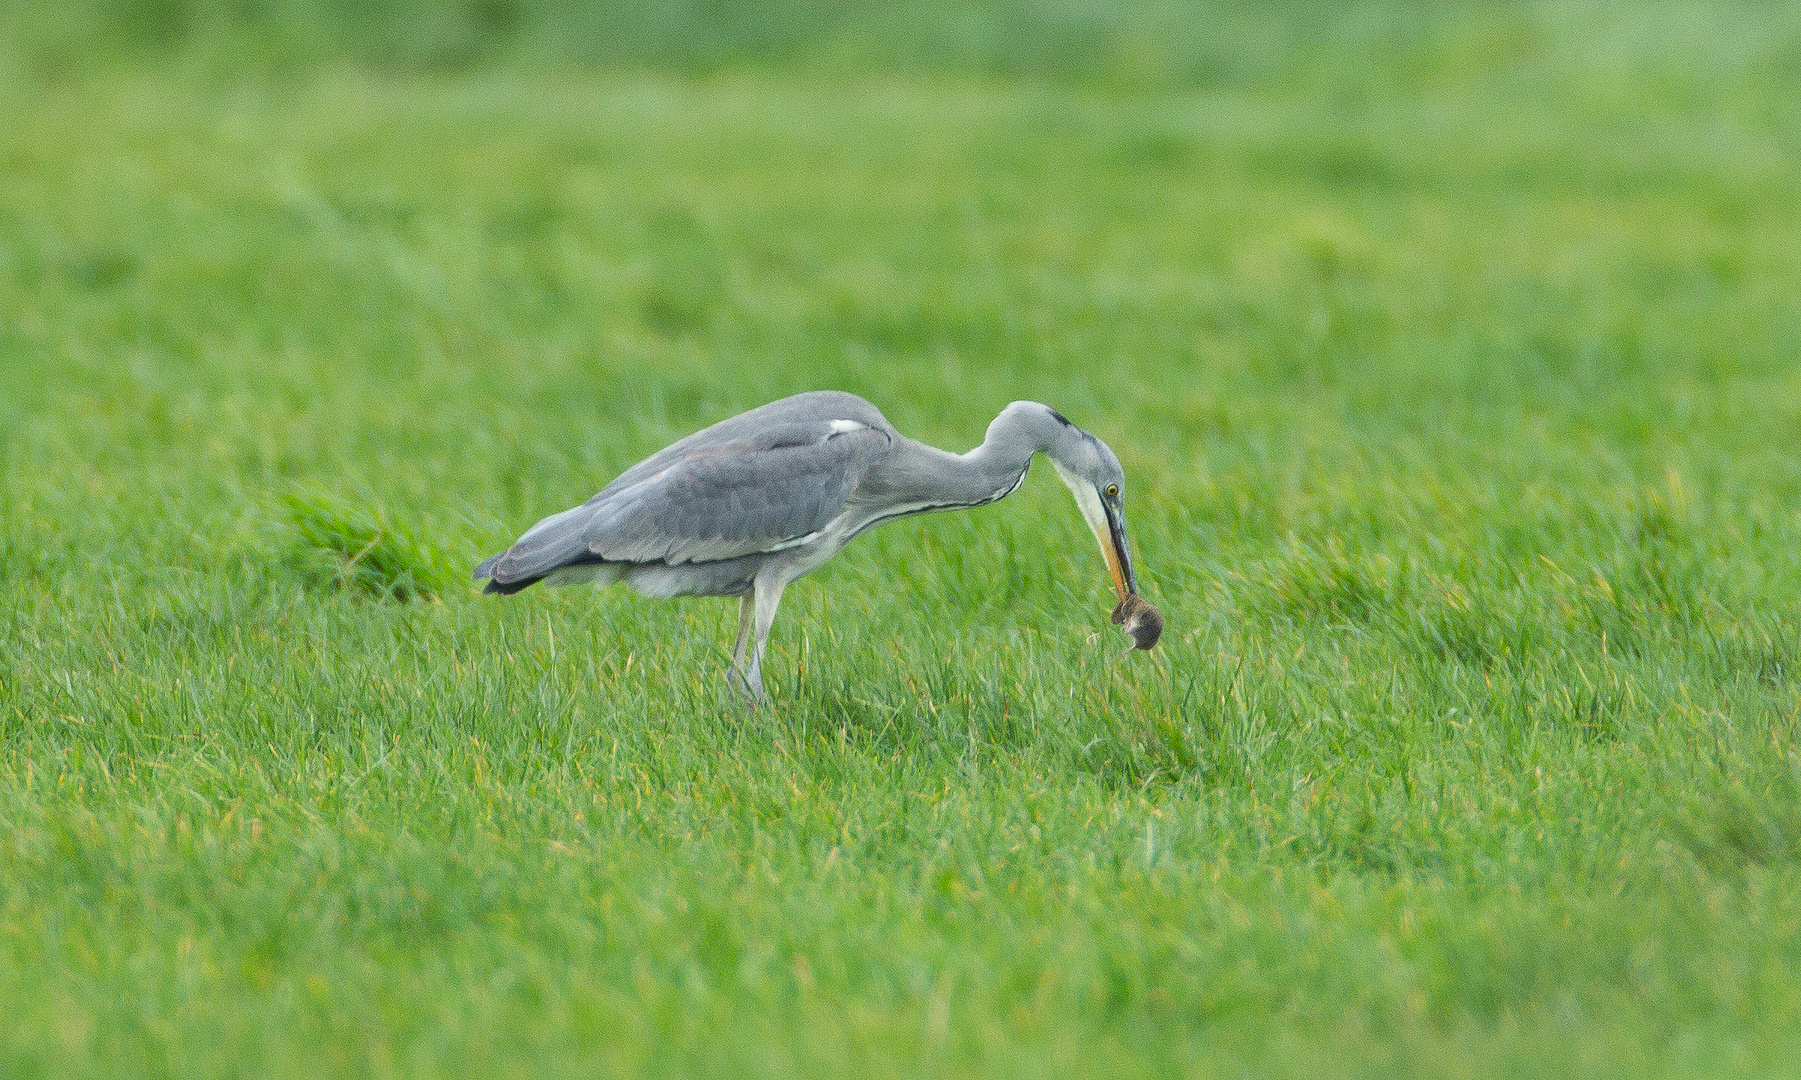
760 493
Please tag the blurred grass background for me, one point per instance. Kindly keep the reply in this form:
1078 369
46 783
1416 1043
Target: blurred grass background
1648 57
1451 354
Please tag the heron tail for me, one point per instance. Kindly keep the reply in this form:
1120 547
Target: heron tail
508 588
504 588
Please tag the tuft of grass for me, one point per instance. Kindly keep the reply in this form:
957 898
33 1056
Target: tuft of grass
352 547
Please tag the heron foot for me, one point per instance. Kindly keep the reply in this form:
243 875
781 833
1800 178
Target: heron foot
747 691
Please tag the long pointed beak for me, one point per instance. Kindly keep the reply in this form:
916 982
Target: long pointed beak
1110 532
1125 582
1140 619
1109 529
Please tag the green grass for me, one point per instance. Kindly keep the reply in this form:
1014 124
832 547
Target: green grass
1456 382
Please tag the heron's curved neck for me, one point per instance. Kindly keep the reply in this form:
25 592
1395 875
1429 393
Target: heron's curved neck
992 470
1022 429
997 458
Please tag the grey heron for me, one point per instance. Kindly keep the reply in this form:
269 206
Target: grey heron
748 505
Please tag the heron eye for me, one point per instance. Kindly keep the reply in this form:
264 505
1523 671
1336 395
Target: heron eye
1112 491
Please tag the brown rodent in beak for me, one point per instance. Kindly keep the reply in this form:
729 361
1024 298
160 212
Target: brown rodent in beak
1141 621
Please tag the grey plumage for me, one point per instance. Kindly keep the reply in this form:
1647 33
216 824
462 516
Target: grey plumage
744 507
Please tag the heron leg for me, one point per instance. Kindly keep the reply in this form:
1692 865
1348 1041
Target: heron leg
768 597
734 675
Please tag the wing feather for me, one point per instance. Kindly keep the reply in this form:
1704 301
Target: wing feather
735 499
708 500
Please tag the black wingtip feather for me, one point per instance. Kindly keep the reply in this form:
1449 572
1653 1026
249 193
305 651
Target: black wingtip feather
508 588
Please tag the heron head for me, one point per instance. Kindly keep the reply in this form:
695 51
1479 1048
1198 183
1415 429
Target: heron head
1093 475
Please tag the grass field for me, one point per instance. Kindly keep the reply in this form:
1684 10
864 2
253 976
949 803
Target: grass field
1452 362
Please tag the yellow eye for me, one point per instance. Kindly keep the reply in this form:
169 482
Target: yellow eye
1112 491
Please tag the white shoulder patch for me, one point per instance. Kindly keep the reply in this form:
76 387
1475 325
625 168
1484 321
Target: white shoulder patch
839 427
